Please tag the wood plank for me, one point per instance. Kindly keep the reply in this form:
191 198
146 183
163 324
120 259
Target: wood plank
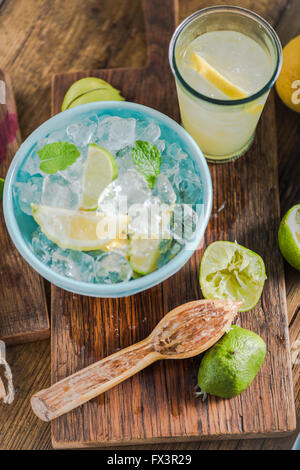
159 404
23 310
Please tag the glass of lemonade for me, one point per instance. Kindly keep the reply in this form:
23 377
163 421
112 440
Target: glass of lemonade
225 61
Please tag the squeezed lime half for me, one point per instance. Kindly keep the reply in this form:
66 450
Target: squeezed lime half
231 271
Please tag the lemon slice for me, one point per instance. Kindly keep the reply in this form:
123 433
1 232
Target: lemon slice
215 78
79 230
231 271
100 169
289 236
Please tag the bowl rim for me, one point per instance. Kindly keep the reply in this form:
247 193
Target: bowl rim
85 288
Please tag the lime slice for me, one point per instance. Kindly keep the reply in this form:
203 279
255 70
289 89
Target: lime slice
97 95
230 366
100 169
1 188
143 255
289 236
231 271
88 90
216 79
79 230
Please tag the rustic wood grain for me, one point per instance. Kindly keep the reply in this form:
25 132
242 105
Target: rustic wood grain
23 311
185 332
33 46
158 404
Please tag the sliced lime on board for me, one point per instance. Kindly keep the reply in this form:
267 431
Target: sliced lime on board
88 90
289 236
100 169
231 271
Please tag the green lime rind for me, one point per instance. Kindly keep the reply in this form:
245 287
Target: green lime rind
97 95
88 90
230 366
230 271
287 236
1 188
144 255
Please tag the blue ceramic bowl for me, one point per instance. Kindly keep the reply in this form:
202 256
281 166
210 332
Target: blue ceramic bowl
21 226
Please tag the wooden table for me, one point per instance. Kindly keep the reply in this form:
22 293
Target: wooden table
40 37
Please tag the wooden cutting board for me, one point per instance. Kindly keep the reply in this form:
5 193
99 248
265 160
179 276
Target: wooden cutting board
159 404
23 309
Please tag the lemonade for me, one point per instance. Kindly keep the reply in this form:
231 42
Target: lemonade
225 60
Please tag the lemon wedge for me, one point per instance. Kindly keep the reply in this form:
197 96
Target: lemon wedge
215 78
80 230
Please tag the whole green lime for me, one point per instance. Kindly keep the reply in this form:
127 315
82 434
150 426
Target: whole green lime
289 236
229 367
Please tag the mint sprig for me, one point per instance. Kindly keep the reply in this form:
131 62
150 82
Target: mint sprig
57 156
147 159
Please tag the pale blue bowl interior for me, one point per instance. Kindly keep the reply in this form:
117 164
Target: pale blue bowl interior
21 226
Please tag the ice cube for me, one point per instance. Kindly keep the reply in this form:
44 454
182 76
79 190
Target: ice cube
129 188
161 145
32 164
74 264
168 249
115 133
124 160
145 219
188 187
42 246
74 172
175 151
164 190
184 222
58 192
82 133
111 268
147 132
29 192
55 136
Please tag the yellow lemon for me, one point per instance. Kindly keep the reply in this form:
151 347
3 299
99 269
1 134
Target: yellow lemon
288 83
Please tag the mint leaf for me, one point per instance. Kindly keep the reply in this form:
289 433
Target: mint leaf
57 156
147 159
1 188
